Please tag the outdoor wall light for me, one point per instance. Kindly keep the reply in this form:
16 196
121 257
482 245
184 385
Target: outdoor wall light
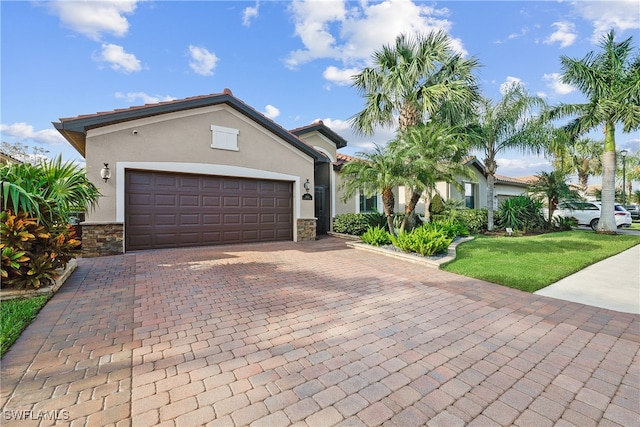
105 173
307 186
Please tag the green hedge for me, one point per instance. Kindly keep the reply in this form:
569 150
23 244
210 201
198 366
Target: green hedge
476 220
356 224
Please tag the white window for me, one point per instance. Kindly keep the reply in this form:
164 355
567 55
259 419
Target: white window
224 138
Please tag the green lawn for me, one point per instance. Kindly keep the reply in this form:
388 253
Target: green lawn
15 315
532 262
635 226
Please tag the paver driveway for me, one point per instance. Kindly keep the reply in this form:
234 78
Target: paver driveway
314 334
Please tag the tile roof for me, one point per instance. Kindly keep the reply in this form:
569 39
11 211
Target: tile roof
320 127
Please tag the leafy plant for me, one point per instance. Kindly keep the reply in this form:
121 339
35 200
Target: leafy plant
31 254
452 227
376 236
48 191
475 220
351 223
428 242
403 241
521 213
425 240
564 223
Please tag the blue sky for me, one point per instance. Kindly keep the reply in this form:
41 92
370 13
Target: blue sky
291 60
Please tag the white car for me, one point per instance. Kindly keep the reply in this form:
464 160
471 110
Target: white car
588 213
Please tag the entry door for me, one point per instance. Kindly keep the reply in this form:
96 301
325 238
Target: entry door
321 209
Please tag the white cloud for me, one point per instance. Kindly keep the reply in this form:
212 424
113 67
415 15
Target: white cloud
118 58
336 125
350 32
271 112
249 14
621 15
95 18
525 165
338 76
131 97
554 83
24 131
510 81
565 34
202 61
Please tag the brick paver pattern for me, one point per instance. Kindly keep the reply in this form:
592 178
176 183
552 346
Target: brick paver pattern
314 334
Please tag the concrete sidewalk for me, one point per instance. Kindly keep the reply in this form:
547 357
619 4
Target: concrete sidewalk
613 283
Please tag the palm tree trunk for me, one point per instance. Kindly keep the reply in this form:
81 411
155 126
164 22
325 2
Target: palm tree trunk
491 179
607 223
408 222
388 201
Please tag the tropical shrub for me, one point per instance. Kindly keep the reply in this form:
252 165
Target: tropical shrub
351 223
403 241
425 240
521 213
376 219
356 224
437 207
562 223
36 201
376 236
450 226
475 220
31 254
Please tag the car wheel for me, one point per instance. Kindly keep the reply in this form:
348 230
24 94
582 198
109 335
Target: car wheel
594 224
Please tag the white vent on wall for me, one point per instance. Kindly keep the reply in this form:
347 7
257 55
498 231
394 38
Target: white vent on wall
224 138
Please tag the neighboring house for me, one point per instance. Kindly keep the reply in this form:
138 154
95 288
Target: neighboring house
6 159
473 193
203 170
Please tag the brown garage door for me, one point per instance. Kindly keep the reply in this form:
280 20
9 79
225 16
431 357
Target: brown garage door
166 210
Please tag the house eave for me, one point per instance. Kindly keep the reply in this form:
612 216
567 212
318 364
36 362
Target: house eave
75 129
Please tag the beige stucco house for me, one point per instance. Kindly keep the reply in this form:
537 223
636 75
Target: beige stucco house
473 193
203 170
212 170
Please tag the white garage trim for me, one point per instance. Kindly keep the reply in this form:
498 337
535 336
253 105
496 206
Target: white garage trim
205 169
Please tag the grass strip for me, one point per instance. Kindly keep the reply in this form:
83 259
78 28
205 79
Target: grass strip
530 263
15 316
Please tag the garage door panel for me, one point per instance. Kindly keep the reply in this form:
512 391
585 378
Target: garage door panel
231 201
189 182
165 219
267 202
170 200
187 201
166 210
211 201
139 199
166 181
232 218
190 219
211 219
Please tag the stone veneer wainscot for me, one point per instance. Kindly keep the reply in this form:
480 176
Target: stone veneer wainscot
102 239
306 229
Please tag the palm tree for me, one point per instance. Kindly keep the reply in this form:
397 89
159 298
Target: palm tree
632 169
610 80
553 187
433 152
509 124
581 157
416 79
374 173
